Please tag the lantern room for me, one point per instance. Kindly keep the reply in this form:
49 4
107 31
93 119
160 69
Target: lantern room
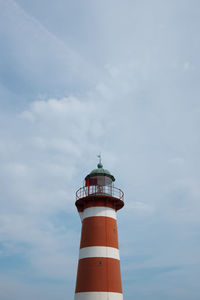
99 177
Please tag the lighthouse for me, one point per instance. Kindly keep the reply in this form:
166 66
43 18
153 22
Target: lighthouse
98 273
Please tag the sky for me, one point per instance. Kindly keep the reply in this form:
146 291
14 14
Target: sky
82 77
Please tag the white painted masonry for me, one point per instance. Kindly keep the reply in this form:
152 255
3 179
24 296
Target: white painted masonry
98 296
99 211
81 216
97 251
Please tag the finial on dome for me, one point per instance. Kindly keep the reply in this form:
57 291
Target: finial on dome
100 166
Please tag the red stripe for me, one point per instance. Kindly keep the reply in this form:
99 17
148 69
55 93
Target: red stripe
98 275
99 231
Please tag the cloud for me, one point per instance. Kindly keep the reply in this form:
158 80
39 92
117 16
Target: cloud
42 154
39 172
27 289
128 90
32 69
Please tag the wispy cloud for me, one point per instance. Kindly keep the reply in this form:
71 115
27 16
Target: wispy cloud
130 90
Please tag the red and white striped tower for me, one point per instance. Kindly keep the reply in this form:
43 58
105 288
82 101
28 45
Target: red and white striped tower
98 274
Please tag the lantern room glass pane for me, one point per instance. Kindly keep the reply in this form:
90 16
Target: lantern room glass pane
108 181
99 180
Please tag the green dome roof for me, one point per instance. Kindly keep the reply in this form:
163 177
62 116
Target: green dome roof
100 171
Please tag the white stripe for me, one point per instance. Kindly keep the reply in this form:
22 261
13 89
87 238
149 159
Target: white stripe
98 211
97 251
98 296
81 216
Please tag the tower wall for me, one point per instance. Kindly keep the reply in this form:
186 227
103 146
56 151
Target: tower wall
98 275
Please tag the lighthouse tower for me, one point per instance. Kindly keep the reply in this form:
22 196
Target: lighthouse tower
98 274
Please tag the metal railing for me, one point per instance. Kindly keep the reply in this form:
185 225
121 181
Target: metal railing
106 190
